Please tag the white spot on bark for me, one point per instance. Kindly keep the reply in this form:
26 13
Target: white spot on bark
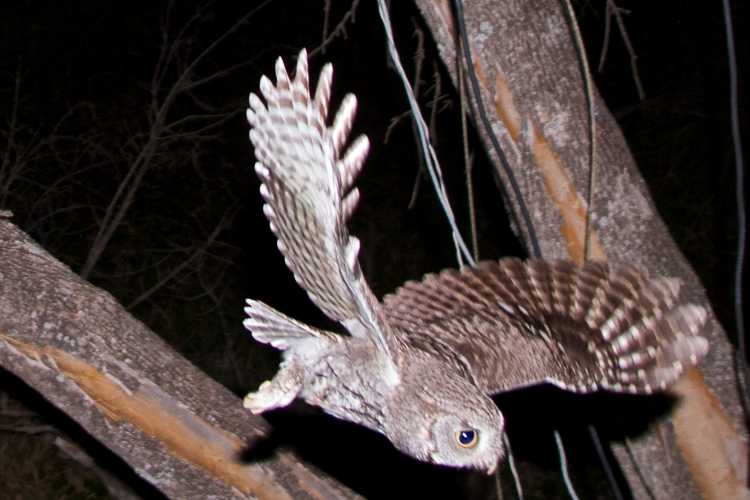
627 200
556 128
486 30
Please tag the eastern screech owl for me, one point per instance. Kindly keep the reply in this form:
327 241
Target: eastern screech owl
420 365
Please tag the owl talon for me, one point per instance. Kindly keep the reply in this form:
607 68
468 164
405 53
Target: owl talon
254 402
263 399
274 393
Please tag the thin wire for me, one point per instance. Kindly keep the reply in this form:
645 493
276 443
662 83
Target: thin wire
512 463
564 466
740 193
433 166
586 76
605 463
460 73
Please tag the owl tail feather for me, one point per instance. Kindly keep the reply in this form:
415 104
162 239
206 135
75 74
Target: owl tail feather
269 326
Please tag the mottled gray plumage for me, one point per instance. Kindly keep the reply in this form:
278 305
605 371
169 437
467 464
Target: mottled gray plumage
420 367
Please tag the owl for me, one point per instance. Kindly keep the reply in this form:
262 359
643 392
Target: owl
421 365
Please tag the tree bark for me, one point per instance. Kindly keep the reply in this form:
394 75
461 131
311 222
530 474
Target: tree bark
532 86
177 428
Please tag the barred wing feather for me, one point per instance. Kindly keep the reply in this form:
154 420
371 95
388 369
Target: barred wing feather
513 323
307 179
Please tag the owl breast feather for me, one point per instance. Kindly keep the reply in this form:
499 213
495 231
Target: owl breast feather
345 382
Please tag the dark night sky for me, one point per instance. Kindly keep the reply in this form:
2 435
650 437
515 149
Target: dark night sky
93 62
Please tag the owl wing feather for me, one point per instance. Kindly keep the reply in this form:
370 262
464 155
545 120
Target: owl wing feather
307 184
511 323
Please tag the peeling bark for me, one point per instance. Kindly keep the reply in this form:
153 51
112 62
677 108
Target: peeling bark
177 428
532 87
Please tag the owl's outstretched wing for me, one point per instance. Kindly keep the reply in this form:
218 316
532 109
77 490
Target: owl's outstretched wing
307 179
511 323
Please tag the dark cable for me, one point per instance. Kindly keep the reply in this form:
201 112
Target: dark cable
605 462
534 242
740 195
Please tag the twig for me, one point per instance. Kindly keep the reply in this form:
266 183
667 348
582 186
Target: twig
340 28
613 10
128 187
182 265
28 429
468 164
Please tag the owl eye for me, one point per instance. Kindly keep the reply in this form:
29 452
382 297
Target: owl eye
467 438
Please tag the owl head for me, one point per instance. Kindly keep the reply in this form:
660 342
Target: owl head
446 420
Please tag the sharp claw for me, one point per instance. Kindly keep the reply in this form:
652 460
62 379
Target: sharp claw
261 400
275 393
253 399
249 402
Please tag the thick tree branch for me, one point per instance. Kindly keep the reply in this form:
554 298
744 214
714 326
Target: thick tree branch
531 85
177 428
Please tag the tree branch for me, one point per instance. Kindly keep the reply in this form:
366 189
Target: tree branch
177 428
525 61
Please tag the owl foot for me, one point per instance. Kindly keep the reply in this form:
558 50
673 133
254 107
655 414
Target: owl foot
265 398
275 393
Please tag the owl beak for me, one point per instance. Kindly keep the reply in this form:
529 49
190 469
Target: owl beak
491 469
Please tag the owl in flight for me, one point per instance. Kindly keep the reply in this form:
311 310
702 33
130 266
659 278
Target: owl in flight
420 365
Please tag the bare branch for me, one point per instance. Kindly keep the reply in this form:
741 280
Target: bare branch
175 427
612 10
139 166
185 262
338 30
